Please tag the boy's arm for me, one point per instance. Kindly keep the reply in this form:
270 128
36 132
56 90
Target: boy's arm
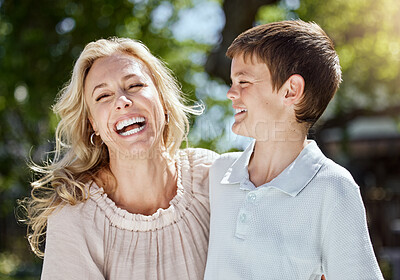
347 249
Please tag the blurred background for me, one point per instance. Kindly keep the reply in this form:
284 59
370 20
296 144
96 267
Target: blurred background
41 39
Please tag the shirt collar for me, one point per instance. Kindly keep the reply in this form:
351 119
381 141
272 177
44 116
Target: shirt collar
238 171
291 181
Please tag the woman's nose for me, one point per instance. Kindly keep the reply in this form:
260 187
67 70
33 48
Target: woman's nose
232 93
123 102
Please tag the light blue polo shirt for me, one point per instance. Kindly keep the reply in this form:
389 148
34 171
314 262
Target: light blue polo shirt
308 221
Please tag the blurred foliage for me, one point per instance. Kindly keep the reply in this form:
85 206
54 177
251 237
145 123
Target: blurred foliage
367 37
39 41
366 34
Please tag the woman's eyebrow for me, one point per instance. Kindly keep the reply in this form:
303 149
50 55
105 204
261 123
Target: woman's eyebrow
99 86
127 77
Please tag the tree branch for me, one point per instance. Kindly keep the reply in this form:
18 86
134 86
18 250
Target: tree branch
239 16
344 119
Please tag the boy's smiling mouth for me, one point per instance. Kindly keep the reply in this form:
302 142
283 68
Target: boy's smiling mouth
239 111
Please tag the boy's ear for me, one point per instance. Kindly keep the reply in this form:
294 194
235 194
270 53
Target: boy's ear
294 87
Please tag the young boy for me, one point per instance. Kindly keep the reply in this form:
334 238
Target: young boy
281 209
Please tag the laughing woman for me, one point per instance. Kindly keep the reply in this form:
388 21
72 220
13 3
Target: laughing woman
120 200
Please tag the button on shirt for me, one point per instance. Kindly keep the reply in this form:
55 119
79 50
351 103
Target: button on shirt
308 221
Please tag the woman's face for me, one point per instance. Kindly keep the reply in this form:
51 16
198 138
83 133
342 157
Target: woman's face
124 105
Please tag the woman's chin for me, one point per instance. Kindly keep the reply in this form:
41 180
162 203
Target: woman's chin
134 150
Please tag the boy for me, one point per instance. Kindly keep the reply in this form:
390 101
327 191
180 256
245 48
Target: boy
281 209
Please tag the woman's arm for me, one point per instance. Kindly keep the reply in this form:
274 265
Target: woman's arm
68 250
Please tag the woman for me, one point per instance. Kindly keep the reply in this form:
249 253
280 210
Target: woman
120 201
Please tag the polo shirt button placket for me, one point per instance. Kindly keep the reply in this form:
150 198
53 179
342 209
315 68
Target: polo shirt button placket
252 198
242 224
242 218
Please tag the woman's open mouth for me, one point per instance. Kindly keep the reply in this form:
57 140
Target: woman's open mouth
130 126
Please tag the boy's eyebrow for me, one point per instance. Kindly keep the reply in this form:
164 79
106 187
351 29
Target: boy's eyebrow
241 73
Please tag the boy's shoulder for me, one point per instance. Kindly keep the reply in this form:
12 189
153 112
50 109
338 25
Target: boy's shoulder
222 165
226 160
338 177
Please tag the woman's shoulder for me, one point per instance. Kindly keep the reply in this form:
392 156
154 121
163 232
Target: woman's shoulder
67 222
195 164
66 213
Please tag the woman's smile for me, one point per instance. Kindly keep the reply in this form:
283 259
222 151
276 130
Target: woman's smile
130 126
124 104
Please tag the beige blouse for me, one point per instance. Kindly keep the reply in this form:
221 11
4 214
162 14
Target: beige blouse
98 240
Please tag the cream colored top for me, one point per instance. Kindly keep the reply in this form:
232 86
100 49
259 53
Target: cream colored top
98 240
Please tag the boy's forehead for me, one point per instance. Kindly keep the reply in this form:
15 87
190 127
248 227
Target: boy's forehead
247 65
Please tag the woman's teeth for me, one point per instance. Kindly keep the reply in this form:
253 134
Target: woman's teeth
130 126
122 124
132 131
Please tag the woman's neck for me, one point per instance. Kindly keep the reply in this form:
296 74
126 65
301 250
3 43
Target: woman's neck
144 184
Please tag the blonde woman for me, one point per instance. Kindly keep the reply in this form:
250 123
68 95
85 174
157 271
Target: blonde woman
120 200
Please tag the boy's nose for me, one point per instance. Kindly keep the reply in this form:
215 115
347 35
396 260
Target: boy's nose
232 94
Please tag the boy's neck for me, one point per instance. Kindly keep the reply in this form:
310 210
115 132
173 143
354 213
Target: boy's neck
271 157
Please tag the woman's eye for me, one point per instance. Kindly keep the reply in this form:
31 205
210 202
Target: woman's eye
138 85
101 96
243 82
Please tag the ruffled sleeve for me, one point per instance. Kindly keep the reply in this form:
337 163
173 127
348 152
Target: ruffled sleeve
200 161
195 180
69 253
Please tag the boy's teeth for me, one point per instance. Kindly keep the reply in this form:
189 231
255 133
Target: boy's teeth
240 110
127 122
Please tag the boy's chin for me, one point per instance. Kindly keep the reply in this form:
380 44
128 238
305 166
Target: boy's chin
239 130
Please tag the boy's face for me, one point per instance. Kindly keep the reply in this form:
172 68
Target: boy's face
259 110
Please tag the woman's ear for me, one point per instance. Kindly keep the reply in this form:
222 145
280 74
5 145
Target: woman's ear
294 87
93 124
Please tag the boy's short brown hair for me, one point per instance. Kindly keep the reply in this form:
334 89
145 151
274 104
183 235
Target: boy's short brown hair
295 47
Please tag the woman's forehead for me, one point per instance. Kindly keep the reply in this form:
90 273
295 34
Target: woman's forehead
116 66
121 62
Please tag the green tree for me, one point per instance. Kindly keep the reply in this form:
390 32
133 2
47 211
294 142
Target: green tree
39 41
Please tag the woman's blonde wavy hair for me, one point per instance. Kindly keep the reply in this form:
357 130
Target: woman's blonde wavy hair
76 161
